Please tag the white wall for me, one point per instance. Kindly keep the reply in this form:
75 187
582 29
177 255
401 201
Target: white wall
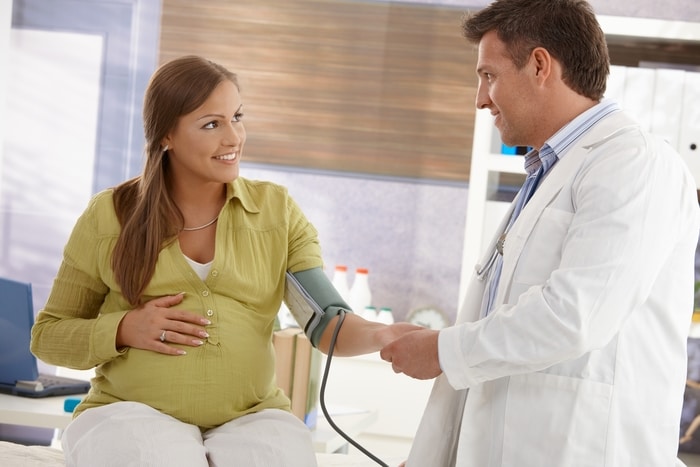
46 167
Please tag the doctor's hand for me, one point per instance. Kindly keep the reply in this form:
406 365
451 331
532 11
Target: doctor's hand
414 354
156 326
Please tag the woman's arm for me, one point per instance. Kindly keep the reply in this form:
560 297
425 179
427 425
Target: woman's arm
357 335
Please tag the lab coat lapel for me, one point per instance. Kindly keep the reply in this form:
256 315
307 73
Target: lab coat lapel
550 186
470 308
523 225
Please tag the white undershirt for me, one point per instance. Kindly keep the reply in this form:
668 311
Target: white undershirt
202 270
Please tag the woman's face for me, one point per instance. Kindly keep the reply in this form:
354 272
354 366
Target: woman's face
206 144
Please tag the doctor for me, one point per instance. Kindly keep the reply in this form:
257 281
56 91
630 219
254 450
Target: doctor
570 347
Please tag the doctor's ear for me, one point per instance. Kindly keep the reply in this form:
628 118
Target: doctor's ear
541 60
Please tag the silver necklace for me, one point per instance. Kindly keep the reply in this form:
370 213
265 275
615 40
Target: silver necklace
190 229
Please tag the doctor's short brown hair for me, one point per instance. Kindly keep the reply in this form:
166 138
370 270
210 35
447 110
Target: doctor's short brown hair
567 29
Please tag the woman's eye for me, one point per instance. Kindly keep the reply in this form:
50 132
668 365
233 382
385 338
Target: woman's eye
238 117
211 125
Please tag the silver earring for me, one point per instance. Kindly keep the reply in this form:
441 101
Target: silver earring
165 149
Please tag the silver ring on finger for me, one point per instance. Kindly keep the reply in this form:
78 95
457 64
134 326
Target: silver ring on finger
162 336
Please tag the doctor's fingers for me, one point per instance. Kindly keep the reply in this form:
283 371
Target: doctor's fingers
387 352
415 367
415 355
398 348
388 356
394 354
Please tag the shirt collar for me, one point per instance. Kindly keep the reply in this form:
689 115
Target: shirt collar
241 190
563 139
532 161
556 146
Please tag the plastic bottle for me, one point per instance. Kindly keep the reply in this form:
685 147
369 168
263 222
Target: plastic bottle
385 315
360 293
369 313
340 282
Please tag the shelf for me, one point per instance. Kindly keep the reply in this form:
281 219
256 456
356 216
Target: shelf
631 27
43 412
505 164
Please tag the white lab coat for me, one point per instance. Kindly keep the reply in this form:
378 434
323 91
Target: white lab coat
583 360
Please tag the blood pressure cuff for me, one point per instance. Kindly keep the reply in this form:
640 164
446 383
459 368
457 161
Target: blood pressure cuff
313 301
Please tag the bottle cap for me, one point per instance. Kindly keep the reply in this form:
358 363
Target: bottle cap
341 267
362 271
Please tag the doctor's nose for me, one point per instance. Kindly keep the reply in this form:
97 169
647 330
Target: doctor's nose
483 100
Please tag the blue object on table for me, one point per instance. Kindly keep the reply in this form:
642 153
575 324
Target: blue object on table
514 150
70 404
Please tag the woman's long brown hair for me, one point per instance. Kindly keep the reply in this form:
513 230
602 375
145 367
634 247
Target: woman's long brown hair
147 214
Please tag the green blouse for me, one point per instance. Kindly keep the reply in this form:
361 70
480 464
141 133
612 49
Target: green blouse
261 233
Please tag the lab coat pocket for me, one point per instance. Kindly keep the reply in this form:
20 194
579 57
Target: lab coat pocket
555 420
542 247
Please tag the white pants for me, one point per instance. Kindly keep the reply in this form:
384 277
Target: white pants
131 434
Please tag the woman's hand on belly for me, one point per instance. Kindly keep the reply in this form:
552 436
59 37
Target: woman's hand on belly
155 326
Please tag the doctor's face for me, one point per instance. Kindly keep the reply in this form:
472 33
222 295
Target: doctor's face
506 91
